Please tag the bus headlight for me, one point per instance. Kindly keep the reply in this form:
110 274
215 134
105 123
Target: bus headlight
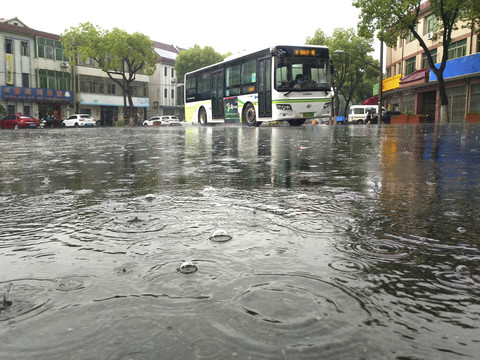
284 107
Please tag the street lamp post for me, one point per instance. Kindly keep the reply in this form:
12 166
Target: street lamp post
380 77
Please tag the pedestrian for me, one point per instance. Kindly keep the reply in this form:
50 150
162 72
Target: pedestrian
369 117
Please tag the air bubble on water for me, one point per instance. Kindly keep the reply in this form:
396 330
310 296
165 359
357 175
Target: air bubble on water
302 197
149 197
462 270
187 267
220 235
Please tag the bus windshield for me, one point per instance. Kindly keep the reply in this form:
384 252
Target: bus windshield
301 74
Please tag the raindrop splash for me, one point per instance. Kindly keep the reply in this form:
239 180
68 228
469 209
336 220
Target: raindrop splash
462 270
7 295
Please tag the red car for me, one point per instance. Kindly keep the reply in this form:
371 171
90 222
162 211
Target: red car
19 121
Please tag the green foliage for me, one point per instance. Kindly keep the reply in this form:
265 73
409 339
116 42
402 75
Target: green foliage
353 76
196 58
3 111
120 54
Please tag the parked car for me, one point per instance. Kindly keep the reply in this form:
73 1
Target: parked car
166 120
79 120
153 121
19 121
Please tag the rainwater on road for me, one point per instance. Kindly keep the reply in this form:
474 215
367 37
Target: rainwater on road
315 242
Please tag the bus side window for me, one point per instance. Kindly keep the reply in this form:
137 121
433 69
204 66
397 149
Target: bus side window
232 80
249 76
191 88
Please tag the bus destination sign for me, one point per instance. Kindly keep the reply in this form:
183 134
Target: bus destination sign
305 52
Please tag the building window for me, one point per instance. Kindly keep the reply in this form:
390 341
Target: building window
49 49
410 65
431 24
9 46
457 49
475 98
173 94
173 72
425 61
49 79
24 48
411 37
165 93
27 110
165 71
25 80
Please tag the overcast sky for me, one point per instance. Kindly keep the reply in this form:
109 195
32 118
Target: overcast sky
225 25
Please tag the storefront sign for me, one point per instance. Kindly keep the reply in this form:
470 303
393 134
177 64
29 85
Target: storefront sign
392 82
35 94
111 100
9 65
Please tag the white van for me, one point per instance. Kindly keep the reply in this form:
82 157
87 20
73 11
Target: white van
358 113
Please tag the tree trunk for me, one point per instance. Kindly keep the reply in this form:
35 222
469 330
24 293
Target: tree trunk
443 118
131 113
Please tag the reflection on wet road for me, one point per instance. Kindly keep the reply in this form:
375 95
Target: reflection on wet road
224 242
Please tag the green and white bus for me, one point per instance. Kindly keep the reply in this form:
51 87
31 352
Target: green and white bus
291 83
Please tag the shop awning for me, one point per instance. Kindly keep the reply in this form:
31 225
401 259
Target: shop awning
371 101
416 76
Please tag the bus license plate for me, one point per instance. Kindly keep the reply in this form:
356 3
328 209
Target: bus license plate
306 115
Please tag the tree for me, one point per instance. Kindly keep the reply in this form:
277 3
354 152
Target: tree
196 58
400 18
351 76
3 112
121 55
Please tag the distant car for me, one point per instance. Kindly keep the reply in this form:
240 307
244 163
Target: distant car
357 114
166 120
19 121
386 117
79 120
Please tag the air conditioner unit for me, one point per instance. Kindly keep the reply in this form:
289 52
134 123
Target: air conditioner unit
174 81
430 35
64 64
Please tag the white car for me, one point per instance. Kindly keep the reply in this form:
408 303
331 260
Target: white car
165 120
79 120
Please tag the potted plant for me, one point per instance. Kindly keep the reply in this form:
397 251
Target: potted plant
408 118
473 117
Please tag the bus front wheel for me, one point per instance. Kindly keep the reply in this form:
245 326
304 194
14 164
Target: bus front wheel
202 117
250 116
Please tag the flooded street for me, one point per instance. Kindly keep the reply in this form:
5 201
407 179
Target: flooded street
312 242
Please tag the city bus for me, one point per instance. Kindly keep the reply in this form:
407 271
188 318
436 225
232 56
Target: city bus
281 83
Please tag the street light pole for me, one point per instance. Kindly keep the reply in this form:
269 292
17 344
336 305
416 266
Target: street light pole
380 76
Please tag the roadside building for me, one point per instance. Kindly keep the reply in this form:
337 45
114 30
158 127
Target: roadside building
411 87
36 79
164 88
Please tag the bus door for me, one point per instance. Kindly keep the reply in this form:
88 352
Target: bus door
264 85
217 94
